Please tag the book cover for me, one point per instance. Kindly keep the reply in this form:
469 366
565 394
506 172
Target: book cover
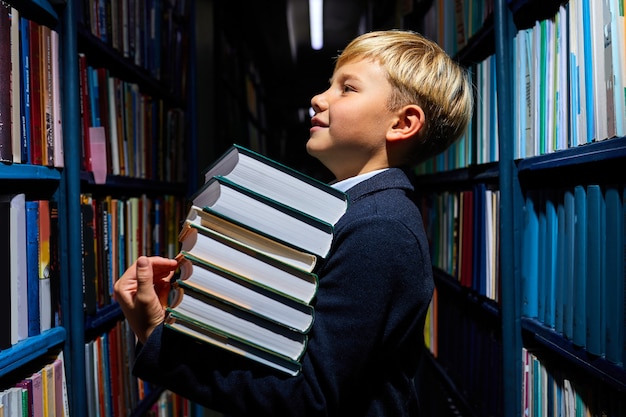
242 292
230 254
594 291
264 215
530 253
15 86
569 259
25 90
6 146
32 256
6 306
19 280
47 95
45 289
57 111
614 287
36 94
280 183
88 255
580 267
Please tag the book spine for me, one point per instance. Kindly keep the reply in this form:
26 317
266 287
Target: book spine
6 146
25 90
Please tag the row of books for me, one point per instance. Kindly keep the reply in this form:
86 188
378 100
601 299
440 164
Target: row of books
150 34
573 272
463 230
29 264
570 78
249 248
481 141
31 130
569 84
466 342
126 132
41 394
170 404
547 389
452 25
111 389
115 231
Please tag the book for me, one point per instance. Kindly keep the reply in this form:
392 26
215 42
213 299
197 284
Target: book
6 147
15 86
6 307
579 326
32 256
216 315
264 215
614 285
45 289
231 344
280 183
219 249
203 277
248 238
25 89
596 252
19 280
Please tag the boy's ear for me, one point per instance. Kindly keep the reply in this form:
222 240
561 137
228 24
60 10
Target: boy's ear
410 121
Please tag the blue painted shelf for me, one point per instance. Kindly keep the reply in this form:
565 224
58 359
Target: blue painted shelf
30 349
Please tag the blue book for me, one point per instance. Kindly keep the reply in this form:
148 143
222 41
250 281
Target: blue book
25 90
550 262
561 266
530 255
569 259
580 266
614 290
542 258
32 256
588 63
595 270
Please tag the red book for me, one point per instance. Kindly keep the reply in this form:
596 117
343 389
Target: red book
36 92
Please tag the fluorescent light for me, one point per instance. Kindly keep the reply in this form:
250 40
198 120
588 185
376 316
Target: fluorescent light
316 23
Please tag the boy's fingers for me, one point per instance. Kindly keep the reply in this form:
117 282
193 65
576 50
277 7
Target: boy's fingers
144 274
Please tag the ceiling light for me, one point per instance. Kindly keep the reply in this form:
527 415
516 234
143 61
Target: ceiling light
316 23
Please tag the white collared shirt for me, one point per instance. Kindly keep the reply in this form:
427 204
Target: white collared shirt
348 183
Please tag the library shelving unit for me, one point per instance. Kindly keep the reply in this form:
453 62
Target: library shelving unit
526 212
35 182
155 77
128 76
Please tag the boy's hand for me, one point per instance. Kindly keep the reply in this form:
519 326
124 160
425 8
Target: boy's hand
142 293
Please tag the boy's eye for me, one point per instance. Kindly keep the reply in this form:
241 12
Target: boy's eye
347 88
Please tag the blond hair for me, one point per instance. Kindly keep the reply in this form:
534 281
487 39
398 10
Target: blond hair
421 73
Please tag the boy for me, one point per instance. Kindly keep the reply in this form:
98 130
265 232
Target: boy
394 98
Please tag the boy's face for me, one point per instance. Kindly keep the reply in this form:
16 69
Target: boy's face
349 129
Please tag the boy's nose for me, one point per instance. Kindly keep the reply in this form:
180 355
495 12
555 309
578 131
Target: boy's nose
318 102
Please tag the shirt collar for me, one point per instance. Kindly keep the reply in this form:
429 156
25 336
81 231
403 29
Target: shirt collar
345 185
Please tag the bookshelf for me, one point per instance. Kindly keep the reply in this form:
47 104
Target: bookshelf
156 74
44 336
541 163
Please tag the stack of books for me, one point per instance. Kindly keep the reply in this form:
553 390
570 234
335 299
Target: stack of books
249 248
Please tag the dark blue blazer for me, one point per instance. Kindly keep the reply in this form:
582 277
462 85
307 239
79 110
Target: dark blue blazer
367 338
